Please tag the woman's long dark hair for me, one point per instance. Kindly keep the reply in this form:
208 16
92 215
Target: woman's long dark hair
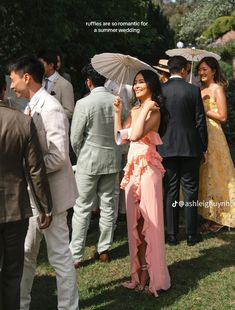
154 85
214 65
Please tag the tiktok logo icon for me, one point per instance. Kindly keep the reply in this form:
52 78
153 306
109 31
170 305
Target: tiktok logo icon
174 204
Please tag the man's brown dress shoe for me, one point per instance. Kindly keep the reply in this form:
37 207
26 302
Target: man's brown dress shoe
102 257
77 265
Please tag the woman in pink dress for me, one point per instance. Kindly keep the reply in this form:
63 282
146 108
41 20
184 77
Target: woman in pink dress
143 185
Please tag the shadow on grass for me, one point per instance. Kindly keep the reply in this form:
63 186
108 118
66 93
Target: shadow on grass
44 286
185 276
93 232
118 252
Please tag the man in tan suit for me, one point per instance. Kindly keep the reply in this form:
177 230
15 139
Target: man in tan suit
52 127
20 159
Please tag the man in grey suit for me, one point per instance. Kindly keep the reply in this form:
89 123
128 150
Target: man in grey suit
52 127
56 84
98 162
20 161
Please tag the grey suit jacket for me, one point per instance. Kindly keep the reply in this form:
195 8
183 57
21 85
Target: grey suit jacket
92 134
62 90
20 159
52 127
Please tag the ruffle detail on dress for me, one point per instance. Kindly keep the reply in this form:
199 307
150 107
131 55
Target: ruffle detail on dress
137 166
152 138
154 284
144 170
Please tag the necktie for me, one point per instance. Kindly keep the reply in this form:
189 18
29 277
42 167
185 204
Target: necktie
46 83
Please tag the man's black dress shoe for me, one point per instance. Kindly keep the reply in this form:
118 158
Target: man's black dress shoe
172 240
193 239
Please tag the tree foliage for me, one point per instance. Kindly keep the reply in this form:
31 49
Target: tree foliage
229 126
28 26
201 17
176 11
220 26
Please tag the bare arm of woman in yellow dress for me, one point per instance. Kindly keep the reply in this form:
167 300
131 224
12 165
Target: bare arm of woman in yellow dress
220 99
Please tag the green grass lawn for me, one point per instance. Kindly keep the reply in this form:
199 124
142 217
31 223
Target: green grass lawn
203 276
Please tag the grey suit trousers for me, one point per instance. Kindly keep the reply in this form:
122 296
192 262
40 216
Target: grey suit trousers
89 186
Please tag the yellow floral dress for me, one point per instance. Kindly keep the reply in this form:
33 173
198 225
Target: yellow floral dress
217 176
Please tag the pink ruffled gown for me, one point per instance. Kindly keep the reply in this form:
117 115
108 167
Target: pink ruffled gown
143 188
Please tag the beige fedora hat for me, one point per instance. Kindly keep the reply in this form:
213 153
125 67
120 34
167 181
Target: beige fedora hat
162 65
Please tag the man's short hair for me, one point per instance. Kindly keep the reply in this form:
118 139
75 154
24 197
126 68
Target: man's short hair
30 65
49 56
88 72
176 64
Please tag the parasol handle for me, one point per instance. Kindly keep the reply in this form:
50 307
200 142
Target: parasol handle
191 73
119 90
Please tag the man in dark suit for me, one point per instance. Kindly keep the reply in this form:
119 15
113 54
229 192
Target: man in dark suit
184 147
20 159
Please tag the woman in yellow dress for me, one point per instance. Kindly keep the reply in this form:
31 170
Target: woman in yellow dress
217 174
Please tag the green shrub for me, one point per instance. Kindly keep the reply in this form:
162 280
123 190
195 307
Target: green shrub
220 26
227 69
229 126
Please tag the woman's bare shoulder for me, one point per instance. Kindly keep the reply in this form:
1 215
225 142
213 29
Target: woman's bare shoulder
135 107
218 88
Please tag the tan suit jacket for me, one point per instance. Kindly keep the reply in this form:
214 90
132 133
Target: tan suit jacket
62 90
20 159
52 127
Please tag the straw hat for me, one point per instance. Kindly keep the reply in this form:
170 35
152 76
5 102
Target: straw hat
162 65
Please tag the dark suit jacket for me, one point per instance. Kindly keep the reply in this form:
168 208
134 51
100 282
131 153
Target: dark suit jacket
20 158
186 134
